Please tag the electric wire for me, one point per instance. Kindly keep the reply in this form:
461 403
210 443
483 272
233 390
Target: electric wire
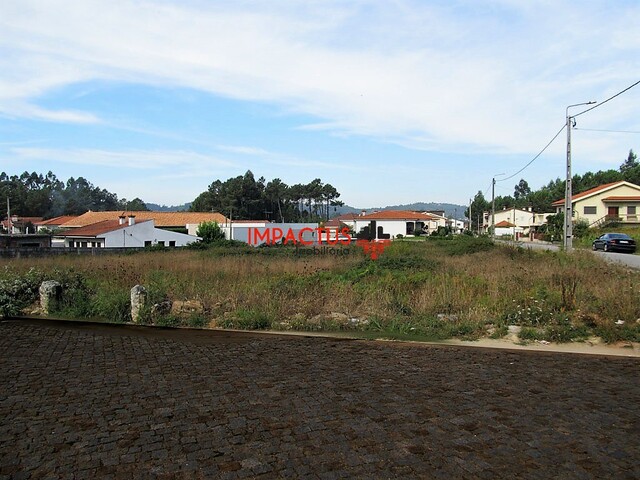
610 98
610 131
534 158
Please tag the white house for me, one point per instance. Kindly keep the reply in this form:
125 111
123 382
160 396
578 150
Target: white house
515 221
122 234
388 224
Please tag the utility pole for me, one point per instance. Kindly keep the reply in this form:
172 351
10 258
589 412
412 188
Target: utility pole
568 208
470 218
10 230
493 208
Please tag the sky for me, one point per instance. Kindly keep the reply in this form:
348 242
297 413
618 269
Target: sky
390 101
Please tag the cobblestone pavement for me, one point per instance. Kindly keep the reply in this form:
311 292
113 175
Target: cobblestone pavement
82 402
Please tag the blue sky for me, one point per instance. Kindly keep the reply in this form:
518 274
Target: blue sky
390 101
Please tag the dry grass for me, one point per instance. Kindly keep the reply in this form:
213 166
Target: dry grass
413 282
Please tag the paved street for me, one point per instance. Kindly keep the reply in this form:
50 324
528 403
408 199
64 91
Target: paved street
82 401
626 259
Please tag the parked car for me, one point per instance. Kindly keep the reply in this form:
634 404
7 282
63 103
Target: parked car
612 242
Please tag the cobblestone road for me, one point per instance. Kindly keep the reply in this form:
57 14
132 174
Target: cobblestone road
105 402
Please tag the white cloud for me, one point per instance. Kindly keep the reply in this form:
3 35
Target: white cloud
129 159
459 76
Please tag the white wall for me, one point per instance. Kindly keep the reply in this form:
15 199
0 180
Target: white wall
136 235
391 227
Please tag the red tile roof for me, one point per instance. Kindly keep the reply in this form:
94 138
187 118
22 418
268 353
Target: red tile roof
162 219
96 229
15 220
504 224
396 215
622 199
57 220
587 193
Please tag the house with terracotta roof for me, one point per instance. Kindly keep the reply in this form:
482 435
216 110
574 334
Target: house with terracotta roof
121 233
164 220
518 221
388 224
53 224
617 201
17 225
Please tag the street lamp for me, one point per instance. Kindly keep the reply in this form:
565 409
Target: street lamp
568 213
493 205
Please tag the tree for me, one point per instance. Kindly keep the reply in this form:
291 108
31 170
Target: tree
135 205
630 169
478 206
210 232
521 190
630 163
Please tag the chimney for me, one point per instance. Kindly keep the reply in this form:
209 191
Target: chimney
363 213
132 220
121 219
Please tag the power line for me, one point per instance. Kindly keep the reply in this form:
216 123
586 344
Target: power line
610 98
536 157
611 131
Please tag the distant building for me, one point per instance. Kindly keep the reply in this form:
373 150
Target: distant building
18 225
121 233
164 220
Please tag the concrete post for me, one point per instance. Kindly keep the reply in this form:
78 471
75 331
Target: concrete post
50 295
138 302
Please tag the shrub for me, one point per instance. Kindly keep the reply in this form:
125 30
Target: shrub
197 321
17 292
112 304
210 232
167 321
247 319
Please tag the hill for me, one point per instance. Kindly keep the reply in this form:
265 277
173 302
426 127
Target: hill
154 207
450 209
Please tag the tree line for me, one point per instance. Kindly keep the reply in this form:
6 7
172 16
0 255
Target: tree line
244 197
37 195
540 200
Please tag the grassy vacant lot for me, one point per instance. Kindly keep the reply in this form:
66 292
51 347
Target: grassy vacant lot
437 288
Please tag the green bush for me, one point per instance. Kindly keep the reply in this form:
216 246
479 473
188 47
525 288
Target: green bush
112 305
17 292
167 321
197 321
210 232
247 319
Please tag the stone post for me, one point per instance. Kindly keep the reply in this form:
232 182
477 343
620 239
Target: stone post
50 294
138 302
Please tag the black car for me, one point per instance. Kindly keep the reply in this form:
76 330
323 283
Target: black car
615 242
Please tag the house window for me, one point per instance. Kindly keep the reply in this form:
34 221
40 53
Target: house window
631 210
172 243
590 210
147 243
410 227
161 243
84 244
